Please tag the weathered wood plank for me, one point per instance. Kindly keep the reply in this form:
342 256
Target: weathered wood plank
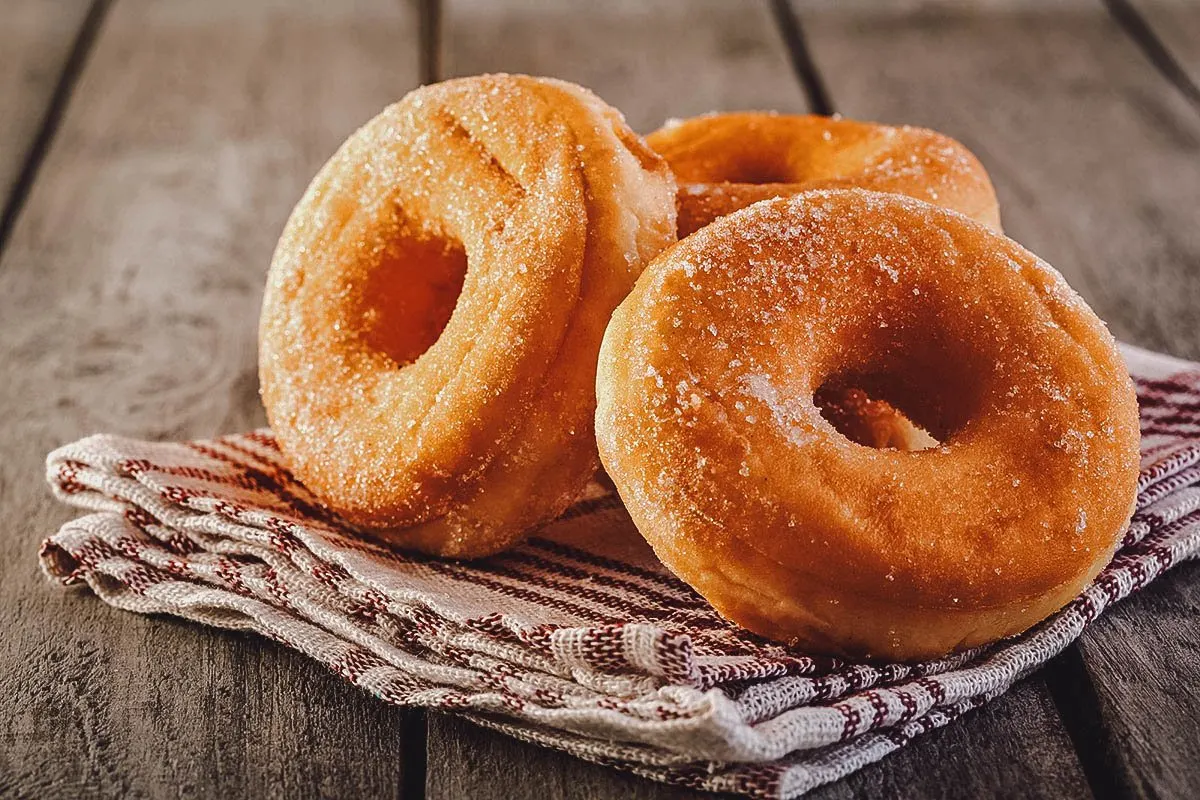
470 761
35 43
1096 158
1176 26
1014 747
1143 662
128 302
652 60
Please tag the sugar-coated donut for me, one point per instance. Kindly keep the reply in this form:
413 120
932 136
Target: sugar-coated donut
725 162
436 302
708 428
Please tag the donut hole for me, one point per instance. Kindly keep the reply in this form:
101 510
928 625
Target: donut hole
755 168
763 174
409 293
760 174
871 421
905 384
862 409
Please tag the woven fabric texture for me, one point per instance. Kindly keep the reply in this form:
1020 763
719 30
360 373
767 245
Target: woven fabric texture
579 639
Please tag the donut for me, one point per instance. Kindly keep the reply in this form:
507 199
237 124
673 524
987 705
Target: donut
436 301
708 427
725 162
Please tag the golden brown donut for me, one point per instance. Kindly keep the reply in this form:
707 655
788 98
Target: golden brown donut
725 162
436 302
707 425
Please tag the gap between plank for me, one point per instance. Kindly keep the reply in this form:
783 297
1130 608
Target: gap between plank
429 22
1075 699
1136 27
803 66
72 69
416 757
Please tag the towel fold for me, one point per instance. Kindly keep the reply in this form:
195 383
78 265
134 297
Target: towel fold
579 639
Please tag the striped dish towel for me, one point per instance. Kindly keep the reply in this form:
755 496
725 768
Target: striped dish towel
579 639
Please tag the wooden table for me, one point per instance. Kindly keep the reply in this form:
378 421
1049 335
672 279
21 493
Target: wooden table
149 153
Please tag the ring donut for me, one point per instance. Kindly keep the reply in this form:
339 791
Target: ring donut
436 302
708 428
725 162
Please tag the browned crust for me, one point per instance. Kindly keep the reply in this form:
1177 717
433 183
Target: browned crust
488 431
707 426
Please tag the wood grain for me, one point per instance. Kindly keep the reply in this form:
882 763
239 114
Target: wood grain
1096 158
128 302
652 60
1143 663
466 760
1176 24
35 42
1014 747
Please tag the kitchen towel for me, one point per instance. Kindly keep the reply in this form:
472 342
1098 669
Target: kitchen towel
579 639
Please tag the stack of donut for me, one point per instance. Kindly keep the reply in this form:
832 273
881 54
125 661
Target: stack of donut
843 406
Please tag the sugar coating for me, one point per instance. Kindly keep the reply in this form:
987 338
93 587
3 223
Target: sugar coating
1021 384
437 299
729 161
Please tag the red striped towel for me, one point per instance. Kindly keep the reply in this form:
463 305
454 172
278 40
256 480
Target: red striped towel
575 640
